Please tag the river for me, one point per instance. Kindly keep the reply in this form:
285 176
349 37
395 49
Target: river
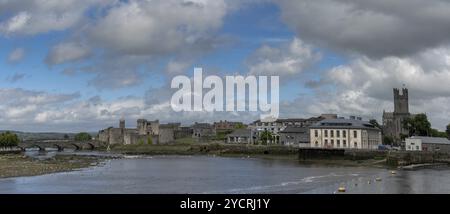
207 174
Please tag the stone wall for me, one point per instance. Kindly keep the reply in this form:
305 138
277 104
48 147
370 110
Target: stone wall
402 158
166 135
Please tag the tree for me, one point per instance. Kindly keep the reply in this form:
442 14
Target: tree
66 136
83 136
387 140
437 133
239 126
375 123
8 139
418 125
266 136
448 131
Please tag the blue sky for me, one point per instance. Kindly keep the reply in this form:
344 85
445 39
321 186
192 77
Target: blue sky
82 65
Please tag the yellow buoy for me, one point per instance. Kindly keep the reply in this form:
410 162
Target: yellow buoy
341 189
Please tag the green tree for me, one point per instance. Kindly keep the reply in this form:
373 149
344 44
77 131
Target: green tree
437 133
8 139
83 136
239 126
375 123
266 136
387 140
66 136
448 131
418 125
149 141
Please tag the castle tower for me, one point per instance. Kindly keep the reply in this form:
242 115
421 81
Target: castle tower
401 105
122 123
142 126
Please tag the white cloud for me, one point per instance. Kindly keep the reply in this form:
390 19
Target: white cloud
42 16
67 52
16 55
364 86
158 26
288 59
374 28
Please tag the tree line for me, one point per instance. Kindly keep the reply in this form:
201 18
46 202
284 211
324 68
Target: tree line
8 139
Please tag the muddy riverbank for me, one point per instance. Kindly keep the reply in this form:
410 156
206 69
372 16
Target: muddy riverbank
16 165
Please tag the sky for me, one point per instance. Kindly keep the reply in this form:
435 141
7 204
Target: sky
81 65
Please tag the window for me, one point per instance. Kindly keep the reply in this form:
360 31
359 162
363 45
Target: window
332 142
417 147
356 145
317 143
326 141
338 143
331 133
316 133
355 134
326 133
338 133
344 143
344 133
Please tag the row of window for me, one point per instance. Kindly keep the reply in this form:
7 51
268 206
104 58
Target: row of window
338 133
338 143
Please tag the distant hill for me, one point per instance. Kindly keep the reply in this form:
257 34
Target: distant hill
44 135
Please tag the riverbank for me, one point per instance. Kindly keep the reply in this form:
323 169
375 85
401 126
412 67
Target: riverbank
274 152
15 165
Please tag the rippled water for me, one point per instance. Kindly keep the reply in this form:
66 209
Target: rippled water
203 174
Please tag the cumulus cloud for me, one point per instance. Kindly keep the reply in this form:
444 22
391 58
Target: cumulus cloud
67 52
373 28
288 59
136 33
42 16
16 55
16 77
364 86
157 27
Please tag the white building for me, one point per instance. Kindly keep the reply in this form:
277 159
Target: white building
421 143
275 127
345 134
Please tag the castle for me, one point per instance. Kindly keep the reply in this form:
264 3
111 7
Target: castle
393 121
146 132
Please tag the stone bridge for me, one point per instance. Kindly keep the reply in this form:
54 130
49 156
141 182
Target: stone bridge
60 145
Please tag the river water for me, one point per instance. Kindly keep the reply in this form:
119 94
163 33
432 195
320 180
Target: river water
207 174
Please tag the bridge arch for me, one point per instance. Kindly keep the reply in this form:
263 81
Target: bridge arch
60 147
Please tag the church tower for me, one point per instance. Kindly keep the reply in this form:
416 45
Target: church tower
401 105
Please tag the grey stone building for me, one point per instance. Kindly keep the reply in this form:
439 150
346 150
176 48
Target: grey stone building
203 130
145 132
295 136
393 121
240 136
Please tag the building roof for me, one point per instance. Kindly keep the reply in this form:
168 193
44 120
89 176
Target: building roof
432 140
202 126
344 124
295 129
241 133
293 120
